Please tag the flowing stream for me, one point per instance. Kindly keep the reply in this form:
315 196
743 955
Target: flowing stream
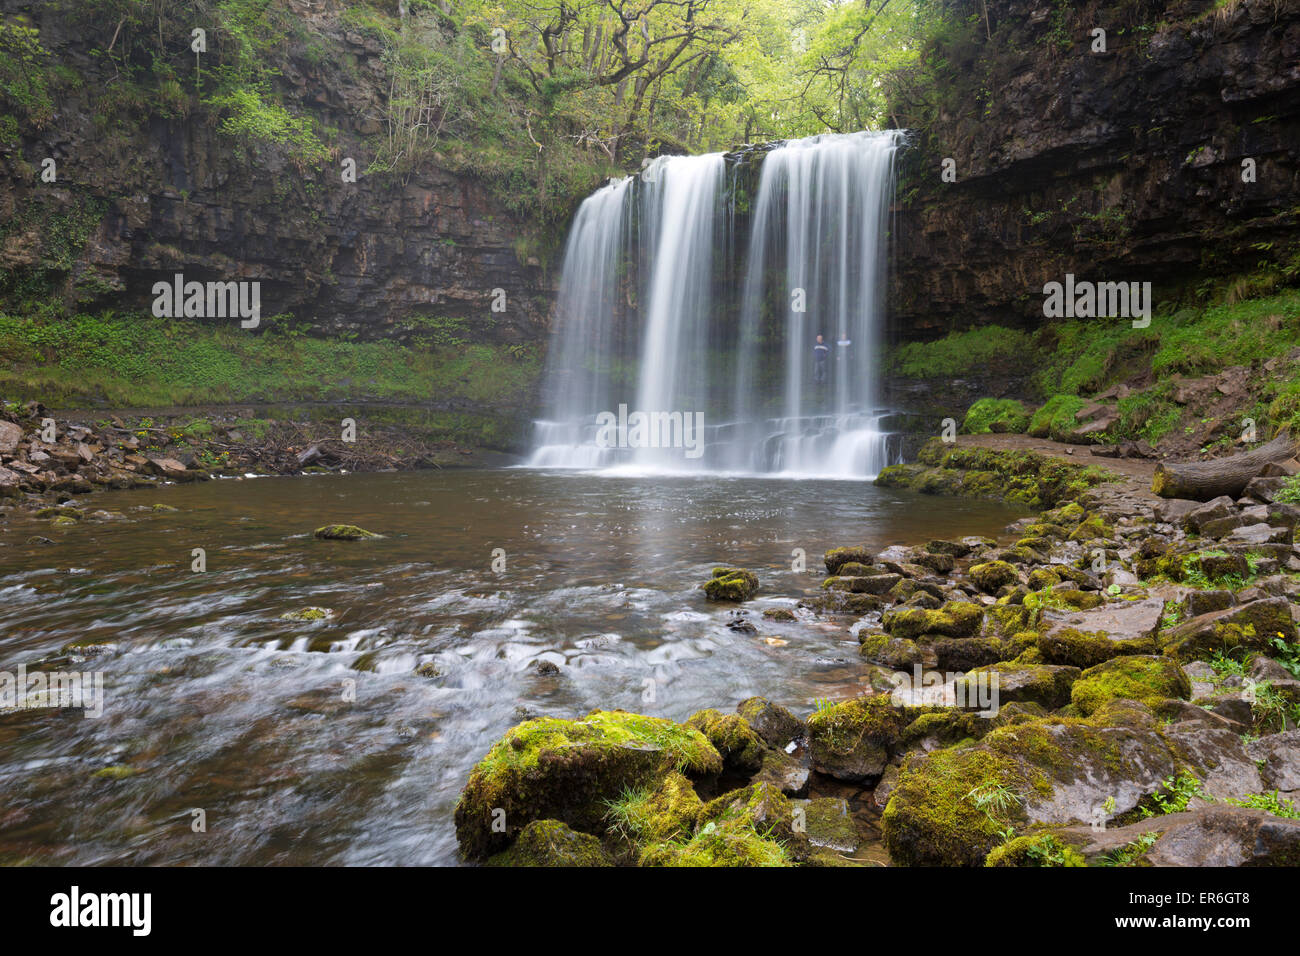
214 703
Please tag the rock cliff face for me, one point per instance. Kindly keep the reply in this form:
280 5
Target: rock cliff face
1123 165
141 196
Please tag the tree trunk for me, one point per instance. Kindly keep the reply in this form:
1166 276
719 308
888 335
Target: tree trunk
1203 480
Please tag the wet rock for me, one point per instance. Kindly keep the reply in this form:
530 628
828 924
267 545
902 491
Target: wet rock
566 769
954 619
772 722
955 549
1203 602
782 614
852 740
552 843
730 584
1201 837
343 532
836 557
875 584
733 738
829 824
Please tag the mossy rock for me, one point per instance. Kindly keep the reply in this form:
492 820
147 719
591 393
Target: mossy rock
954 619
733 843
763 807
992 575
829 824
1148 679
836 558
307 614
782 614
853 740
862 584
647 816
343 532
1063 599
1090 528
1236 630
1068 645
1045 684
76 514
732 737
551 768
899 653
161 509
731 584
552 843
1044 849
951 806
63 521
772 722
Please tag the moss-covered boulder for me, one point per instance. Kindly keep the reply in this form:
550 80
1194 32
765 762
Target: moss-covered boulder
897 653
1045 684
869 584
649 815
1087 637
836 558
853 740
953 806
772 722
551 768
829 824
552 843
343 532
1149 679
731 584
954 619
992 575
732 737
1248 627
753 826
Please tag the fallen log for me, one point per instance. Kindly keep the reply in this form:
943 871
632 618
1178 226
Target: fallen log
1204 480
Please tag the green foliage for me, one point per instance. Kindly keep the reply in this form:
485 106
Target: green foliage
23 83
1007 414
962 353
1176 793
1055 417
1269 802
124 359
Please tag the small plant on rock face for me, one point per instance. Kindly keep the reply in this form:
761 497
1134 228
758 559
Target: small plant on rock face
994 798
1288 655
1127 854
1289 493
1177 794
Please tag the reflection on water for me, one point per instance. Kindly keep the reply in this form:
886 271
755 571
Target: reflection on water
215 703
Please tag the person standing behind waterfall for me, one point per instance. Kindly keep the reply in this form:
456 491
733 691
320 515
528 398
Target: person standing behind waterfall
821 351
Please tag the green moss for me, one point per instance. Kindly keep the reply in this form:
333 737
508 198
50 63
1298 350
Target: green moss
836 558
996 415
873 723
1041 850
567 769
307 614
954 619
343 532
1147 679
1056 418
732 736
666 813
961 353
552 843
1089 648
992 575
730 584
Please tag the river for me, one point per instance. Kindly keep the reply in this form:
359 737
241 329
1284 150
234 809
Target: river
317 742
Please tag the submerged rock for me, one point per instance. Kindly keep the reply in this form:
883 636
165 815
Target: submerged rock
344 532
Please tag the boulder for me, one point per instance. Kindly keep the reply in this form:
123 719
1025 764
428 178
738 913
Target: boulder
1249 627
552 843
852 740
772 722
730 584
549 768
1085 638
1149 679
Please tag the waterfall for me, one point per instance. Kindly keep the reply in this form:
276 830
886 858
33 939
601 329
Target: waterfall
662 362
